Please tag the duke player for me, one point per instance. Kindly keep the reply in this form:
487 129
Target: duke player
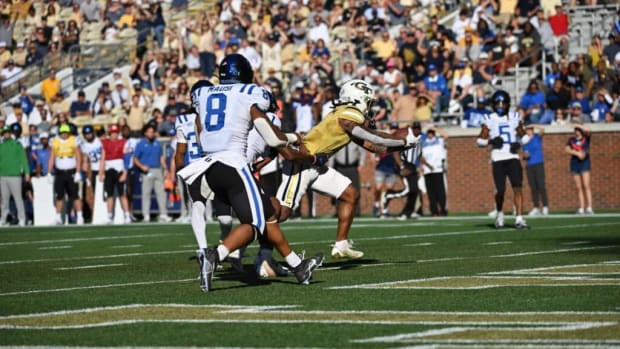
504 132
226 113
92 147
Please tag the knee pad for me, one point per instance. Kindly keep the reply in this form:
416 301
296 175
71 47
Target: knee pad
225 220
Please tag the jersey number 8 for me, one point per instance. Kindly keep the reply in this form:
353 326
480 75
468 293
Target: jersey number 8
216 112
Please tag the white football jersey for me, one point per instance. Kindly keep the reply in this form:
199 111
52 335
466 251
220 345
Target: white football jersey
256 143
224 112
130 147
185 126
93 151
503 126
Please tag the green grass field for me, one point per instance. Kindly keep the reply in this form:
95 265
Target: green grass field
439 283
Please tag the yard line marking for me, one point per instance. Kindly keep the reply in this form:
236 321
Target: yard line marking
91 266
498 243
393 237
553 251
346 266
139 347
547 270
15 243
79 288
570 243
127 246
55 247
420 244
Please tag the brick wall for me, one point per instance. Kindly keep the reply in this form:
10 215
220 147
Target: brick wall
470 185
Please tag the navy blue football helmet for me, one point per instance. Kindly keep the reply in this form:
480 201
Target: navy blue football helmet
235 69
501 102
16 128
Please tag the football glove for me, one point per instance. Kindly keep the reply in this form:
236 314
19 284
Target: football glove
77 177
50 178
320 159
514 147
496 142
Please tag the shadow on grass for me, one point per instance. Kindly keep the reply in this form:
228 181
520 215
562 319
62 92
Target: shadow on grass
605 244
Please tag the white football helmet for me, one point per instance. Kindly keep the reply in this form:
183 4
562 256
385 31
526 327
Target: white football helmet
359 94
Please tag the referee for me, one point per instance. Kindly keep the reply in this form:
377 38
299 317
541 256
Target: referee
406 161
348 161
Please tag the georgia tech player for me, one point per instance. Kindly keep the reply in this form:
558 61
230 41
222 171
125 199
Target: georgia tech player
349 121
226 113
504 132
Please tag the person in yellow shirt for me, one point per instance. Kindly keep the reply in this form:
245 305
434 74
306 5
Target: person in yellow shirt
384 46
50 86
128 19
350 120
66 159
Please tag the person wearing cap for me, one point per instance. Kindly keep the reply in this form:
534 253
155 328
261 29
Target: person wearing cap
555 99
41 155
578 147
602 107
113 173
8 74
150 160
535 169
407 162
393 77
102 104
80 107
580 97
577 115
92 149
473 116
13 166
26 101
120 94
19 55
533 103
437 88
433 163
50 86
66 162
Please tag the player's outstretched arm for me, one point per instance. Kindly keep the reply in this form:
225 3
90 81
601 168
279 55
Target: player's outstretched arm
377 142
272 136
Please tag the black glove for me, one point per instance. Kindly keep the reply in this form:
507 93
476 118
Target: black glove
320 159
496 142
514 147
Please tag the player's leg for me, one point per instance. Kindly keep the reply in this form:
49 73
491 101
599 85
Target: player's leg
579 185
515 175
295 182
109 183
15 186
72 192
585 176
147 188
540 179
121 189
335 184
499 178
4 195
441 193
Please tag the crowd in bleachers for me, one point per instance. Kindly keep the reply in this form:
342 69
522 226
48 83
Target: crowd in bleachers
303 50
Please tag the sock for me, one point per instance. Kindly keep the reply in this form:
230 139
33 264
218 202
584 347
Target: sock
199 224
110 216
293 260
519 219
223 252
342 244
79 214
59 216
225 226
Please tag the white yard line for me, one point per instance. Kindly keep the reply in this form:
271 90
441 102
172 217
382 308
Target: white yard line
127 246
96 266
571 243
563 250
55 247
118 237
420 244
136 254
92 287
498 243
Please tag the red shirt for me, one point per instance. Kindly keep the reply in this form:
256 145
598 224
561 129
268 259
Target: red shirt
113 148
559 24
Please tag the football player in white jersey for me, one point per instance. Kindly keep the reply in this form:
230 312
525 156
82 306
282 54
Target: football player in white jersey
226 113
503 131
91 147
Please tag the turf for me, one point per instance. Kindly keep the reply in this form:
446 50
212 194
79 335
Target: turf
432 282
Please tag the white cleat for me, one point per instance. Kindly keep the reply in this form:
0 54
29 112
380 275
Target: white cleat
499 220
346 252
545 211
589 211
165 219
534 212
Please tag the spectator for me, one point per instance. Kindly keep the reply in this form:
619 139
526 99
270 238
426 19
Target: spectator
560 22
25 100
14 164
473 116
529 43
433 161
71 36
41 155
102 104
557 98
582 99
50 86
81 107
18 117
60 104
579 149
612 48
91 10
468 47
76 16
384 46
149 159
535 169
120 95
9 74
460 23
404 107
437 88
602 107
461 84
33 56
19 55
115 11
66 160
533 104
113 174
5 55
527 8
541 24
319 30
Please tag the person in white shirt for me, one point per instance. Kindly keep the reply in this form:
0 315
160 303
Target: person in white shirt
504 132
9 74
433 161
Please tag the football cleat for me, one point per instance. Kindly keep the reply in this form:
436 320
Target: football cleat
347 252
521 225
499 220
211 260
534 212
201 257
303 272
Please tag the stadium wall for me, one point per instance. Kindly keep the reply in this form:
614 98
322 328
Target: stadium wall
470 185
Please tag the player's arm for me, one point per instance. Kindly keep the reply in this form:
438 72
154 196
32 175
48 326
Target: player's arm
374 141
272 136
483 138
78 159
50 162
101 165
179 153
